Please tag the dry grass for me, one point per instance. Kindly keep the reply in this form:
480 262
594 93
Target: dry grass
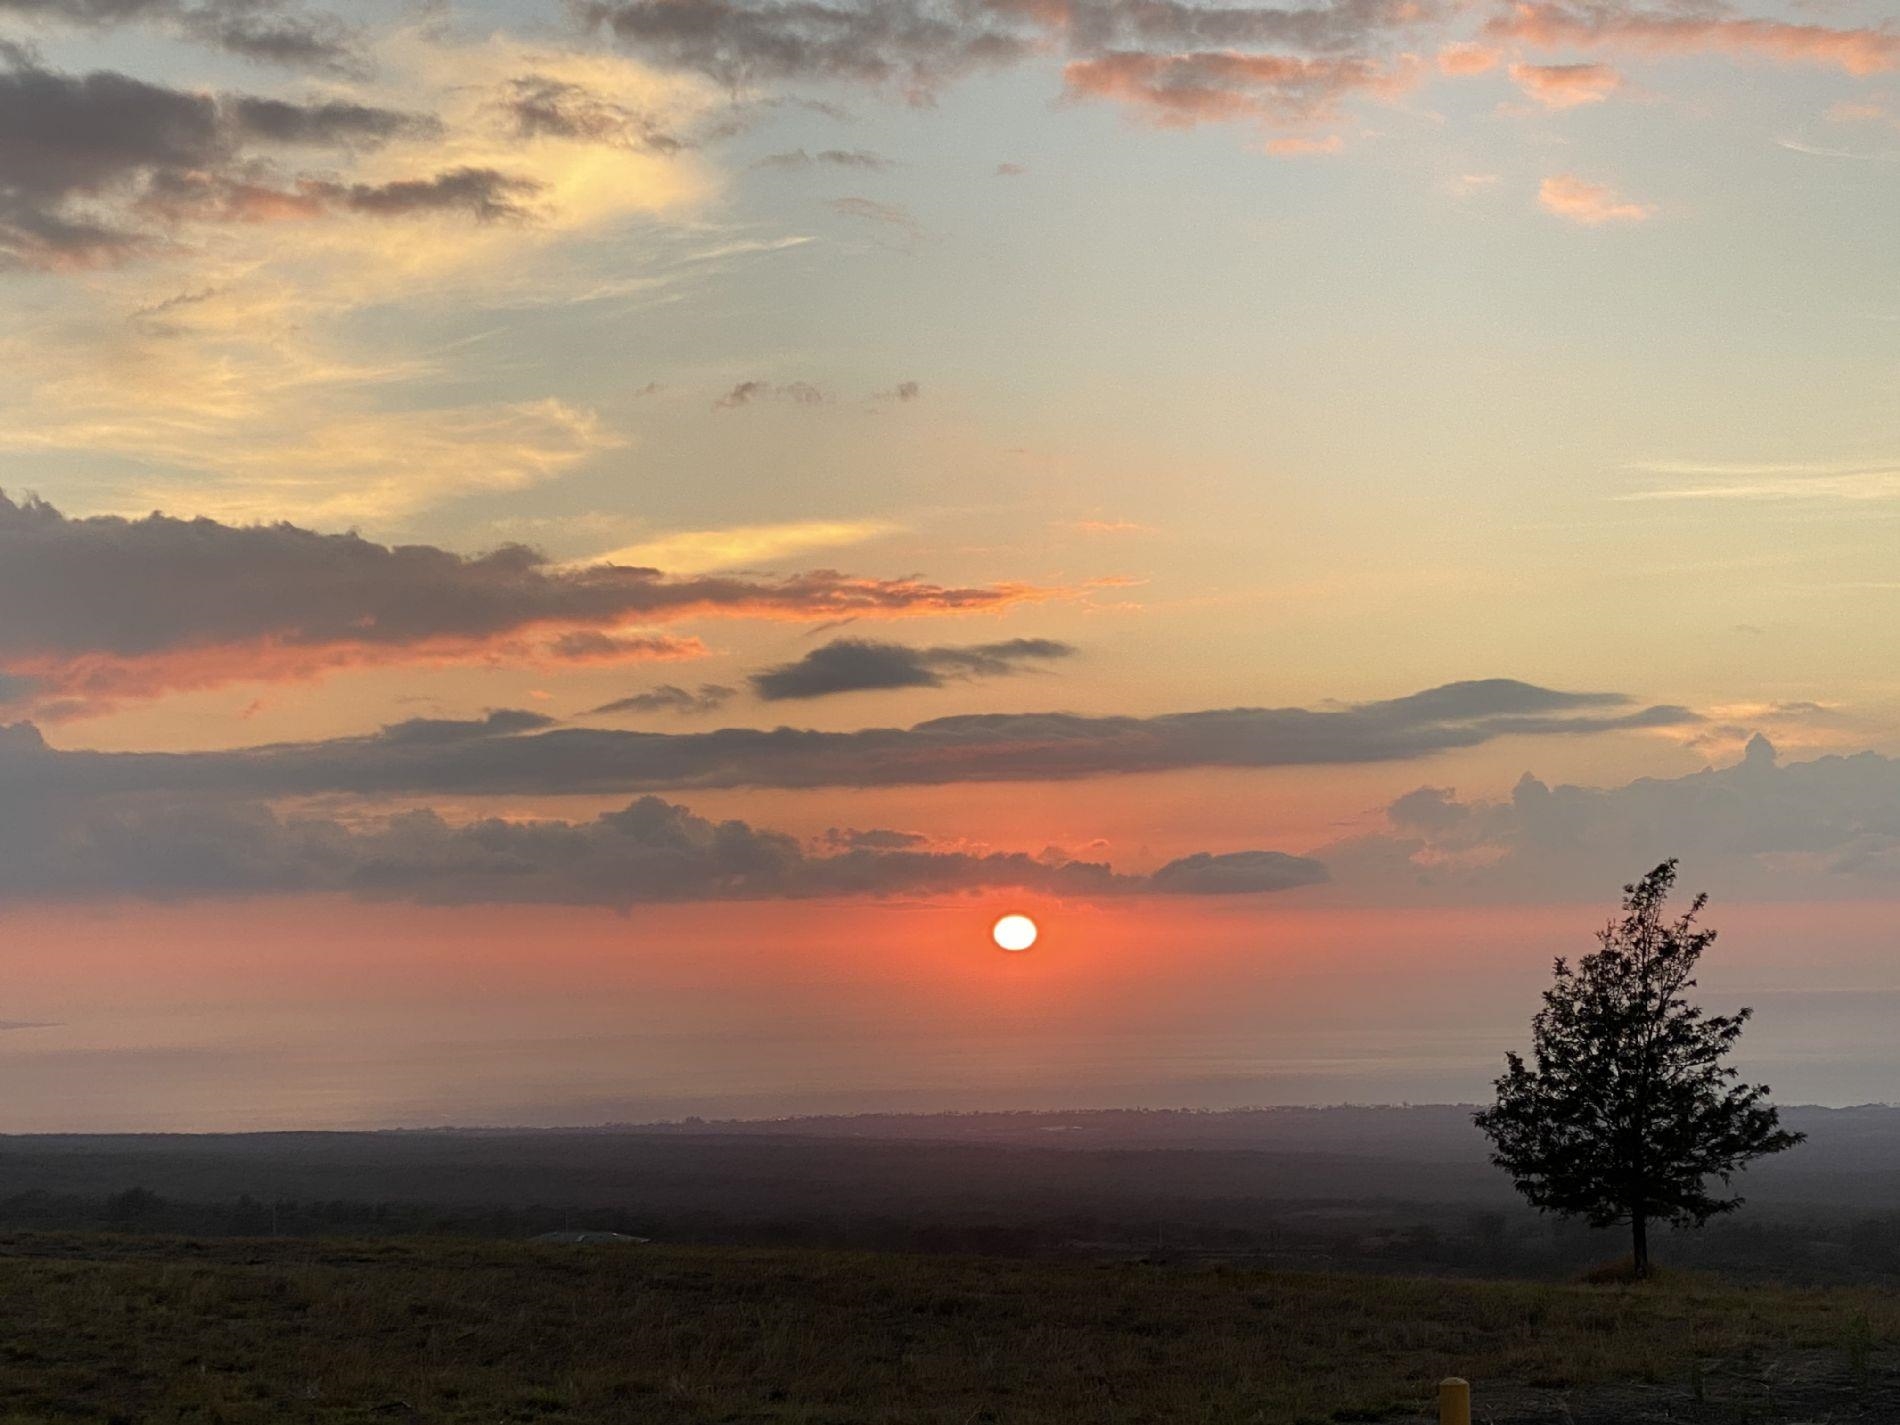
162 1330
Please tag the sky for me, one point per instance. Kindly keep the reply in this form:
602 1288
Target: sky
562 562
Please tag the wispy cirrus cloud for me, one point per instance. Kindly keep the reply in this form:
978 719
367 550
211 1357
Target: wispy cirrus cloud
697 551
1845 481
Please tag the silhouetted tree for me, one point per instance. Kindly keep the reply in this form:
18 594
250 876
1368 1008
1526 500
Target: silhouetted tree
1628 1109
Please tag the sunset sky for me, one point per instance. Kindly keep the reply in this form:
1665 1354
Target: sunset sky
561 562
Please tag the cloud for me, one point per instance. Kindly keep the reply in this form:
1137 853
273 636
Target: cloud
97 610
1613 25
1182 90
849 838
916 46
246 247
748 393
891 216
482 193
262 30
669 697
1591 204
335 123
858 158
1769 829
1294 147
983 747
695 551
1566 86
1236 873
1467 59
87 161
1851 482
849 665
1176 63
649 851
913 46
543 106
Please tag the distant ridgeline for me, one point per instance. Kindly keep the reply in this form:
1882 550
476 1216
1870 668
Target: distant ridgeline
1401 1188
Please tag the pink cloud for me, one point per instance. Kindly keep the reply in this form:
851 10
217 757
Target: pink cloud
1467 59
1299 148
1566 86
1592 204
1181 90
1861 51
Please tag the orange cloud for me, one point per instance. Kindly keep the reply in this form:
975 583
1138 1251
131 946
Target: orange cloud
68 688
1565 86
1873 112
1297 147
1178 91
1592 204
1858 51
1467 59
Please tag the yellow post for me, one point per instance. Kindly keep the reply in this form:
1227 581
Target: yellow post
1454 1402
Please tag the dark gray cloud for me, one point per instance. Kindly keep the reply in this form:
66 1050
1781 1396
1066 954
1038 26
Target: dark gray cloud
542 106
649 851
1236 873
1246 60
102 609
911 45
850 665
485 194
860 158
268 31
1828 826
86 159
877 838
326 124
746 393
985 747
670 697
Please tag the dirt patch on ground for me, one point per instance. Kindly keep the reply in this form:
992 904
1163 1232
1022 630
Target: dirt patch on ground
1799 1388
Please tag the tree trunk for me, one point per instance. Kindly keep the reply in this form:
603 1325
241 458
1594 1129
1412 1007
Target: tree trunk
1639 1243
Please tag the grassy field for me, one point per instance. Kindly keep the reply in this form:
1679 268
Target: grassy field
158 1330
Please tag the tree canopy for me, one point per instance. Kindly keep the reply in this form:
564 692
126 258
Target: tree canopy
1628 1111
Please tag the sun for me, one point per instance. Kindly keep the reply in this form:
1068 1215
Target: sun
1014 932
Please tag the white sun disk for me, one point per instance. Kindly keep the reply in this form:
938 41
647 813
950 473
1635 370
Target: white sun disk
1014 932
